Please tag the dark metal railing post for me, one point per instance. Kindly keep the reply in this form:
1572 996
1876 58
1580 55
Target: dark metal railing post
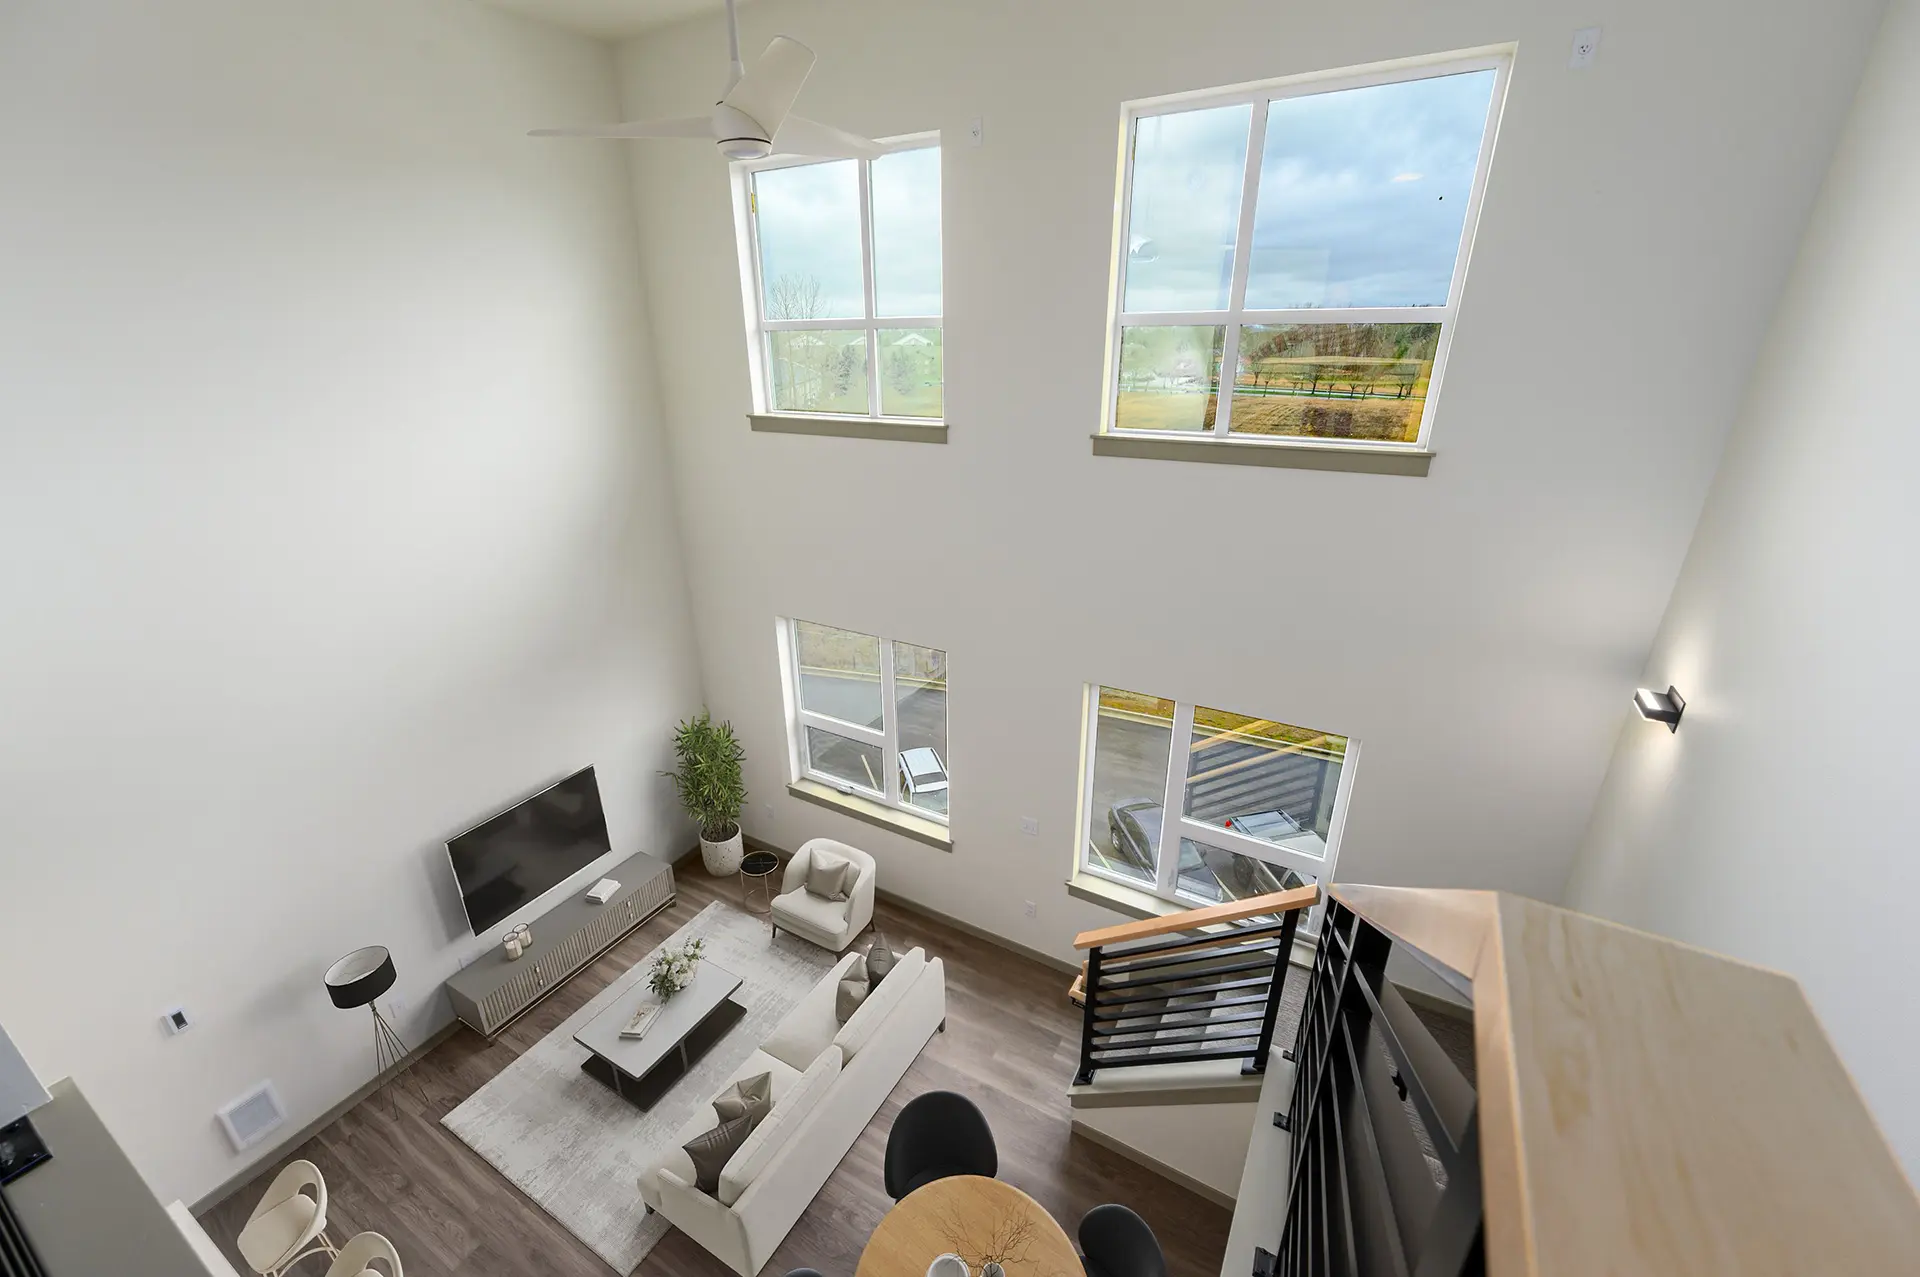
1281 960
1090 1004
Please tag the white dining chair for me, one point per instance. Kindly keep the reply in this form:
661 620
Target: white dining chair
289 1224
358 1256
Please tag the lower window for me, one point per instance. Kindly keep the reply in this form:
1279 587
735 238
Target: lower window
868 715
1203 806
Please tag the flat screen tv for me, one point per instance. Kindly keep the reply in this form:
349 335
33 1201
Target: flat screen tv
529 849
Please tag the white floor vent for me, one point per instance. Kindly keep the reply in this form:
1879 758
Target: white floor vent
252 1117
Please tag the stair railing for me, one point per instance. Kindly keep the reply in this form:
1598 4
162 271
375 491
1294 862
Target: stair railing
1199 985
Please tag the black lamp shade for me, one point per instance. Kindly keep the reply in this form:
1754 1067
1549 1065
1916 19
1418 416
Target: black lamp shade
360 977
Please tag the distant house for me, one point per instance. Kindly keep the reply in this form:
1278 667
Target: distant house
912 339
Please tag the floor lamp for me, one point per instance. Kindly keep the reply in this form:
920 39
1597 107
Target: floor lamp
357 980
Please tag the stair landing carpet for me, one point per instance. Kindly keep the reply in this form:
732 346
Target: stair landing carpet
577 1149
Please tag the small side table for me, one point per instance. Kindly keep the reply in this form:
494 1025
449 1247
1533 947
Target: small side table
756 874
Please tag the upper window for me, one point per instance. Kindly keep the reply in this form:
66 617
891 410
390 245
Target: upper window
1257 805
870 715
1309 236
845 256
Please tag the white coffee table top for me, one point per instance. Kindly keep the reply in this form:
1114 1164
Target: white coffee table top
679 1016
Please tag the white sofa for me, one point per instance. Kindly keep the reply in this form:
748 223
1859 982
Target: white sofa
829 1079
831 924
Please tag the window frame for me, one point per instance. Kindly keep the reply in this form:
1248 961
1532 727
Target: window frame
753 291
799 718
1498 59
1175 824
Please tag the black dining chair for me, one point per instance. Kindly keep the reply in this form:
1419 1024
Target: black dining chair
936 1135
1115 1242
804 1272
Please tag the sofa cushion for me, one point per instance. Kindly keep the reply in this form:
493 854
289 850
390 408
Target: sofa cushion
780 1127
710 1150
674 1156
803 911
798 1040
830 876
864 1023
750 1097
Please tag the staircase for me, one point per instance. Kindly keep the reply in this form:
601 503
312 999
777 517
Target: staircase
1178 1016
1628 1104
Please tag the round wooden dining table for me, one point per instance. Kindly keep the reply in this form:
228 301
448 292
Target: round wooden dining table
981 1220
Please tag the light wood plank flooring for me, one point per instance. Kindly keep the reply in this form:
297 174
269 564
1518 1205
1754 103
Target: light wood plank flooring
1010 1045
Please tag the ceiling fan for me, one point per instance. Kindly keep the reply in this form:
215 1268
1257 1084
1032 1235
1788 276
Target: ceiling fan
753 118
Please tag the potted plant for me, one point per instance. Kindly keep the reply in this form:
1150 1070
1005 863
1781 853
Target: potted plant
711 788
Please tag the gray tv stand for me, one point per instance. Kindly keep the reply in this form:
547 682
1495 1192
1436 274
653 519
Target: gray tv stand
495 991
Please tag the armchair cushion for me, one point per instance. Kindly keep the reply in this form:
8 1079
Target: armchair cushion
803 911
829 876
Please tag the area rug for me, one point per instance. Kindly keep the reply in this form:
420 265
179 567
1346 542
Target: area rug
577 1149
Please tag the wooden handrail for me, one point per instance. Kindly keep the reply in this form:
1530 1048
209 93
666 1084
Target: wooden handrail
1193 919
1649 1107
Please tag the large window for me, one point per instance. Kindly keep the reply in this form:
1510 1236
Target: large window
1290 257
870 715
1256 805
845 260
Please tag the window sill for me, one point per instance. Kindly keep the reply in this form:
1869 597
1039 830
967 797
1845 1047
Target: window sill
896 429
931 832
1357 459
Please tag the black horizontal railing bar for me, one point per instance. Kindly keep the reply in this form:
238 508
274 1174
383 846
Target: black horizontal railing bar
1371 1157
1230 968
1346 1188
1208 1023
1196 958
1226 936
1252 999
1175 1057
1225 1040
1109 998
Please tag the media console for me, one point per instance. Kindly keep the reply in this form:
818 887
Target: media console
496 990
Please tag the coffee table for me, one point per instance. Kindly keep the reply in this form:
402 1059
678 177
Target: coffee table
640 1070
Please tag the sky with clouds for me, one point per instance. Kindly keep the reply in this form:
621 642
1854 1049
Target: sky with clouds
809 227
1363 193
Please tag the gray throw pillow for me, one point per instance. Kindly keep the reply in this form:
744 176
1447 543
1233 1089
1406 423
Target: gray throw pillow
879 962
750 1097
829 877
712 1151
847 999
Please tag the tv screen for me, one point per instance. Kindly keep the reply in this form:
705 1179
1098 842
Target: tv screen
529 849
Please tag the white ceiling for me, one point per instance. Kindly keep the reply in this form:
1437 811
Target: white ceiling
608 19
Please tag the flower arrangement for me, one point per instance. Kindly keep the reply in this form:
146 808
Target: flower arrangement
673 968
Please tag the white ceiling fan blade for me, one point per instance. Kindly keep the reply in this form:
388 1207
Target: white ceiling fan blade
699 126
800 136
766 93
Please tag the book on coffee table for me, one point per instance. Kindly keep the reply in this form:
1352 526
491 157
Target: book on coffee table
642 1021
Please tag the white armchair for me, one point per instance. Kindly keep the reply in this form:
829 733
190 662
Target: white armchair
831 924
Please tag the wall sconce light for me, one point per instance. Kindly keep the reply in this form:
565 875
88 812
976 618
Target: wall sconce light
1661 707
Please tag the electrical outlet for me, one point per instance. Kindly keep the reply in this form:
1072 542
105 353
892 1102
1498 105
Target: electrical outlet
976 131
1033 911
1586 47
176 1020
1029 826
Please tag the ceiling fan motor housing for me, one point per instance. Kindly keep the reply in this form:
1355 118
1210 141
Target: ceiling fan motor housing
740 136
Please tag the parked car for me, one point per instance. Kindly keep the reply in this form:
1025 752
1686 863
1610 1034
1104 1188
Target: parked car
1133 829
921 774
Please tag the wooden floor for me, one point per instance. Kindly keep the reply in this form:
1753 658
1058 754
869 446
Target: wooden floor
1010 1045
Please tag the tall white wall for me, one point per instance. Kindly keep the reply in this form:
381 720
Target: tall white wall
334 514
1476 630
1779 823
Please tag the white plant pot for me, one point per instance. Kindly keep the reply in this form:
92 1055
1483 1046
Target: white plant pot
723 857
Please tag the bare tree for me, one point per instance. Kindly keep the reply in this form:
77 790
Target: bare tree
793 297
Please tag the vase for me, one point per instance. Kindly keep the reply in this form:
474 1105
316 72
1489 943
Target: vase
723 857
